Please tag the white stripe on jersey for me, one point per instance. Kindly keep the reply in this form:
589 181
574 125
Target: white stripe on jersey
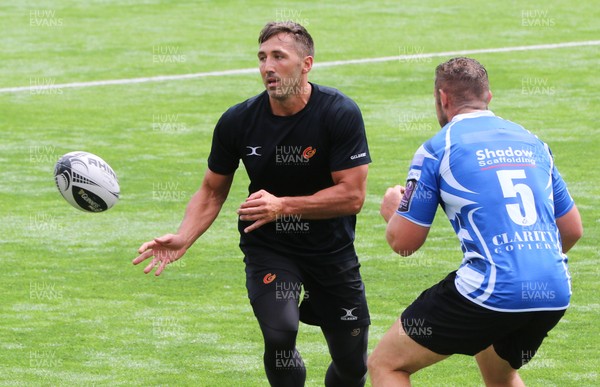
445 171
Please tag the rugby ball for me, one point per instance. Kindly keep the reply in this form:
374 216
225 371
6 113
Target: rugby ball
86 181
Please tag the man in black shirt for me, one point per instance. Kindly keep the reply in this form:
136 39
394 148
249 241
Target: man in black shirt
305 150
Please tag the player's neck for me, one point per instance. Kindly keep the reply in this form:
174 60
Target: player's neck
466 109
292 104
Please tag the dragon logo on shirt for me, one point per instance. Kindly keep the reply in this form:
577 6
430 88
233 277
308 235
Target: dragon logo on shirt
269 277
309 152
295 155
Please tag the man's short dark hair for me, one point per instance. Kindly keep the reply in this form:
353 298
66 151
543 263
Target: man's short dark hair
301 36
463 78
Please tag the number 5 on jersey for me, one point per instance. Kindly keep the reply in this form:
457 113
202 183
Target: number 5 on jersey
510 190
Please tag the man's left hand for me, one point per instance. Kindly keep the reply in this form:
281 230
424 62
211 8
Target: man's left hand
260 207
391 201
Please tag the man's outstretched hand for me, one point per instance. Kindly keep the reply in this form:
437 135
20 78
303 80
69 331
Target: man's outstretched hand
164 250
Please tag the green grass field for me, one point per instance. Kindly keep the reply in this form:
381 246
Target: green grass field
74 311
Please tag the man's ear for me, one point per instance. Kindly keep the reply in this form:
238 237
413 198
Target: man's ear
489 97
307 65
444 98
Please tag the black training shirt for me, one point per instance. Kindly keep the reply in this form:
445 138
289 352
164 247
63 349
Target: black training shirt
293 156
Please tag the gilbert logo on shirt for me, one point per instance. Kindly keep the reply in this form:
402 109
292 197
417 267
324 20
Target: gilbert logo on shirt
269 277
348 316
294 154
253 150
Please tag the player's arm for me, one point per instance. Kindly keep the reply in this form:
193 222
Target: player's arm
201 211
345 197
403 236
570 228
204 206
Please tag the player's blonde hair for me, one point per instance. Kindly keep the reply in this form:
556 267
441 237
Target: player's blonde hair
463 78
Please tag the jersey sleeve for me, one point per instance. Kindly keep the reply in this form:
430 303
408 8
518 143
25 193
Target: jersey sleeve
420 200
224 155
560 194
349 146
563 202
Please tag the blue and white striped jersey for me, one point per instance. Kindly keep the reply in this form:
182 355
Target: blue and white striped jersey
501 191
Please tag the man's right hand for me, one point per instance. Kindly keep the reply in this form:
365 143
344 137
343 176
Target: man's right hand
166 249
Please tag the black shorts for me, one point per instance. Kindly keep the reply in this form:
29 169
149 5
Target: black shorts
445 322
330 295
